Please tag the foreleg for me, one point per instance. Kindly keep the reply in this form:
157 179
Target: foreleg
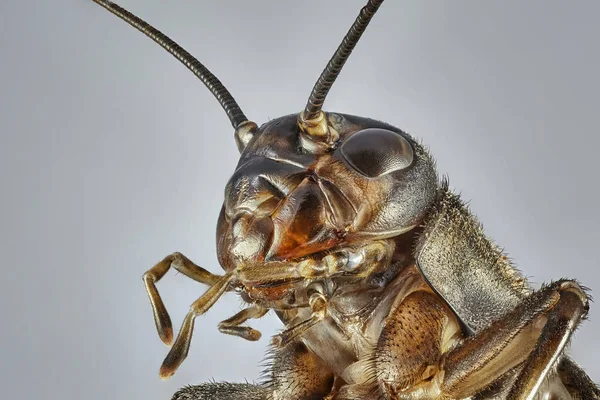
420 353
477 280
533 335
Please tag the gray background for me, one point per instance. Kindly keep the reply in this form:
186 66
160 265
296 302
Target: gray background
113 155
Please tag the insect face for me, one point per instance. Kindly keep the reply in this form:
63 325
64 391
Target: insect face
291 197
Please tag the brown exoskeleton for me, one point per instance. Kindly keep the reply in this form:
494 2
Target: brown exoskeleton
386 283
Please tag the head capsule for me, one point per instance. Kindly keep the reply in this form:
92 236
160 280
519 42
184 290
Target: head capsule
292 195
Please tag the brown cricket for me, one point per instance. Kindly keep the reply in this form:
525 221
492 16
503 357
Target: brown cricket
386 283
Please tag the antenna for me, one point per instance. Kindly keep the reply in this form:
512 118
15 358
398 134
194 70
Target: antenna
235 114
312 119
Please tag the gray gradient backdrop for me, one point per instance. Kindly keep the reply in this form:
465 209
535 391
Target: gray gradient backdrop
113 155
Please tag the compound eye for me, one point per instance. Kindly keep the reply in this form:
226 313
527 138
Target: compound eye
375 152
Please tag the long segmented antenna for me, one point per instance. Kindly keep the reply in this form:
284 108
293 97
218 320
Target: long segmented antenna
235 114
312 114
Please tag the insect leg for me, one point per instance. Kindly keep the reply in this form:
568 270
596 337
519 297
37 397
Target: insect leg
562 321
579 385
477 280
182 264
222 391
536 332
231 326
411 344
181 347
298 373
